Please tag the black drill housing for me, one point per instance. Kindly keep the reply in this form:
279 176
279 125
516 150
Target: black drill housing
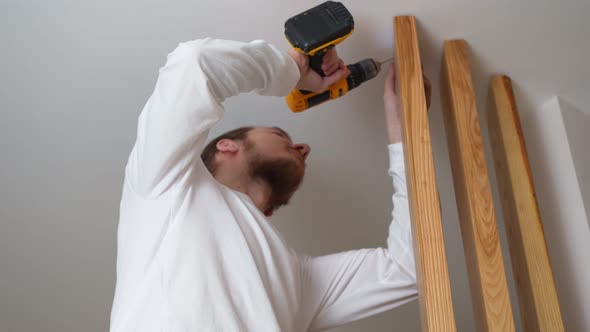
319 28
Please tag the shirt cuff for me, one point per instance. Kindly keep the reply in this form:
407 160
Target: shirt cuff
396 158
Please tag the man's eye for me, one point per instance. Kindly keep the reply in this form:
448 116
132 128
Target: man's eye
282 135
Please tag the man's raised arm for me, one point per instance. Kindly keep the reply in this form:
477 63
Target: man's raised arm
198 76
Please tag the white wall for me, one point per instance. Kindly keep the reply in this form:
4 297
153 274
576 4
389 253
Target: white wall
577 127
74 75
562 209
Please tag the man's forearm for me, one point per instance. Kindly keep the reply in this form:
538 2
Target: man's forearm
394 129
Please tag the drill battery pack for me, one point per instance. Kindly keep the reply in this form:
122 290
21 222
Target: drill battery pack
319 28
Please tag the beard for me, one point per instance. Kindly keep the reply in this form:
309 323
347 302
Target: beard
284 176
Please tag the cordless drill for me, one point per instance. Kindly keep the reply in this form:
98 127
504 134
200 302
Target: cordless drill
313 33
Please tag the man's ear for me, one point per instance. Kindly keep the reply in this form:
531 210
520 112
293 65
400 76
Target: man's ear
227 145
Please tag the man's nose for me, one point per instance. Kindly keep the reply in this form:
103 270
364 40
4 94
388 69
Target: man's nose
304 149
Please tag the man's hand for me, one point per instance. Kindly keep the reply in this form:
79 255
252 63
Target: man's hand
393 107
332 66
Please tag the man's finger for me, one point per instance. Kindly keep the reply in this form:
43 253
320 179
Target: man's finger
391 72
328 70
330 56
330 61
335 77
390 80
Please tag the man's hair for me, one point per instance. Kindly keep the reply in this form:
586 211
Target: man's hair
208 154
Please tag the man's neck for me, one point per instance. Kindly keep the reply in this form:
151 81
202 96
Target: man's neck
239 180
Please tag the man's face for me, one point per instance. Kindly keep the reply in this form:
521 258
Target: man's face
274 158
275 143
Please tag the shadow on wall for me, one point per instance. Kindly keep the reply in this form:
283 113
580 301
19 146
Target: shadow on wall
576 124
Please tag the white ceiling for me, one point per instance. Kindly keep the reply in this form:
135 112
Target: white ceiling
74 76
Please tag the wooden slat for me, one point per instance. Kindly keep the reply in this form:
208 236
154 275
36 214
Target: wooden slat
539 306
429 249
483 253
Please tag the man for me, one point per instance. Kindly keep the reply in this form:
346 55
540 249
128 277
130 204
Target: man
195 250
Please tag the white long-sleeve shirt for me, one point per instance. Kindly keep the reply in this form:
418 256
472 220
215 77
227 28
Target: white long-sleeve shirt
194 255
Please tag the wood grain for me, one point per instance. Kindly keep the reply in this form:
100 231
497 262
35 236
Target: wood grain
539 306
483 252
431 263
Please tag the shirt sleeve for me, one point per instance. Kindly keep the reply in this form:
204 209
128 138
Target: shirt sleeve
186 102
348 286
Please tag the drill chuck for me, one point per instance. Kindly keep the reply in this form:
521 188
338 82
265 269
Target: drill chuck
361 72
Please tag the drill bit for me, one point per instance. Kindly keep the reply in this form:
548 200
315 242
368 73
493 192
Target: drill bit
380 63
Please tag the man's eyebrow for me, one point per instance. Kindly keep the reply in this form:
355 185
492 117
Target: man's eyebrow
284 133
